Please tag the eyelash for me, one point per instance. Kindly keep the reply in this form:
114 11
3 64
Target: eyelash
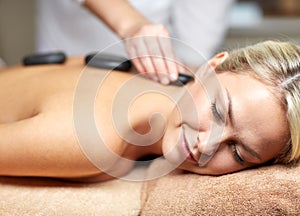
218 116
215 111
236 155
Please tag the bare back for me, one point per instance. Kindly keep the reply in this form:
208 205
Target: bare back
36 121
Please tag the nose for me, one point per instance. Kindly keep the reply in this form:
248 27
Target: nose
208 144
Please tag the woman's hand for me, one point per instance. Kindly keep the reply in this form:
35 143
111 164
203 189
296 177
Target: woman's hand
151 52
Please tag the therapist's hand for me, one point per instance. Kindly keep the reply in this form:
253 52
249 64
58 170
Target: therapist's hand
151 52
148 44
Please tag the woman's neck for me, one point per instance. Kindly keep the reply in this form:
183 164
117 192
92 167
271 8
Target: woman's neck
137 110
149 108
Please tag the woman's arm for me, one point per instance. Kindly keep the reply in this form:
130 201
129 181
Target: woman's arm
43 145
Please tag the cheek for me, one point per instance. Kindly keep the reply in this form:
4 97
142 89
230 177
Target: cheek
194 106
171 146
175 118
171 138
223 164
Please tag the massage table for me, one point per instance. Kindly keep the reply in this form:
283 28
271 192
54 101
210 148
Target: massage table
269 190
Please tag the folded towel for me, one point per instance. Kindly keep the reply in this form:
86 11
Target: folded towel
270 190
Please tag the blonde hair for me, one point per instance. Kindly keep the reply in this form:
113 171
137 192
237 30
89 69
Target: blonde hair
277 64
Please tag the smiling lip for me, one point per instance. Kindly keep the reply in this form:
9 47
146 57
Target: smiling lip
186 150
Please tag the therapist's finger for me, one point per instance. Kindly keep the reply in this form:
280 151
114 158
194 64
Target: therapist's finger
134 58
169 57
145 58
154 53
158 60
149 70
141 60
132 52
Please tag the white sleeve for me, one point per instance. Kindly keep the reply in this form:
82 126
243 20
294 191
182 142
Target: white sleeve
79 1
200 23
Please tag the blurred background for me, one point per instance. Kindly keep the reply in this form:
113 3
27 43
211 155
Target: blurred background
250 21
256 20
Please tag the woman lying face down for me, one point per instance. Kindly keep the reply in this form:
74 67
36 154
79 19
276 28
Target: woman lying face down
241 110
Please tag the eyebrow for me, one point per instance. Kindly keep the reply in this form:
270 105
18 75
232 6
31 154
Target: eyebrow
250 151
232 122
231 119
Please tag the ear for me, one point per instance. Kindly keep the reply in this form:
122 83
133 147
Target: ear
218 59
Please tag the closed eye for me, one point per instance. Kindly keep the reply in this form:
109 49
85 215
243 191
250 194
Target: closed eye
236 155
216 113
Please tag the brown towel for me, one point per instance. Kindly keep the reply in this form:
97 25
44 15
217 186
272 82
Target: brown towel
271 190
33 196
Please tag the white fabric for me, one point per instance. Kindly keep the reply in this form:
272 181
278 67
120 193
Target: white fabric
66 25
80 1
201 24
2 63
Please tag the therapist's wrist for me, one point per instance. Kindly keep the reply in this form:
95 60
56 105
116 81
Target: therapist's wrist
127 29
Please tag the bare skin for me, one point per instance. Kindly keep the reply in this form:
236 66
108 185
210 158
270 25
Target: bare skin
38 136
37 123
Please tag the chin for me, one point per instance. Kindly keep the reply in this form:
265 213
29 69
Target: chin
171 153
